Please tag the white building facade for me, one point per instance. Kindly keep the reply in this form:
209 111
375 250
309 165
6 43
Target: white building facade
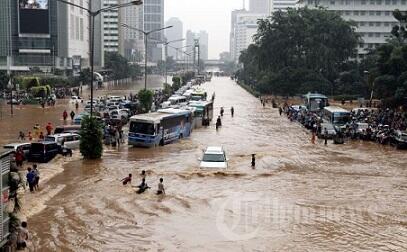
111 37
260 6
244 27
283 5
374 18
131 42
175 33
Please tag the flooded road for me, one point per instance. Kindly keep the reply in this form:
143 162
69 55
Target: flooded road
300 197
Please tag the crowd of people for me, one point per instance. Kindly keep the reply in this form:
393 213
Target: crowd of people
372 124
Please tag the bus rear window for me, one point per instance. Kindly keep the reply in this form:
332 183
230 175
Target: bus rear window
142 128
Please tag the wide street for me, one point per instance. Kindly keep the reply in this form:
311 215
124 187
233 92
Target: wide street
300 197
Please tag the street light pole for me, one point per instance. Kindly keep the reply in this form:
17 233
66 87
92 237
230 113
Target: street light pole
166 55
146 34
93 14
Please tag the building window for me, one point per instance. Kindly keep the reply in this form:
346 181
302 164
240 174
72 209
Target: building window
403 2
371 13
362 23
378 13
379 2
347 2
77 28
370 35
81 4
332 2
378 24
356 13
370 45
371 23
347 13
81 29
363 2
377 35
386 24
362 13
387 2
372 2
72 27
394 2
361 45
387 13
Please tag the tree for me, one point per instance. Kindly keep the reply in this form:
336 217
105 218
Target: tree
4 78
120 67
145 97
91 146
176 83
298 50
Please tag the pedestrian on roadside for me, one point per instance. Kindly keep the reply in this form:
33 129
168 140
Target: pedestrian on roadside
37 177
280 110
19 156
23 236
117 137
313 137
21 136
31 179
161 189
76 105
30 137
41 137
326 136
253 160
65 115
218 123
232 111
49 128
221 111
72 115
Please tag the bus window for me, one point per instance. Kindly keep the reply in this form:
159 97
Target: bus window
142 128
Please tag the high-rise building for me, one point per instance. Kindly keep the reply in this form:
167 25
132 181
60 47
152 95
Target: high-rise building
131 41
154 19
373 17
175 33
203 45
48 35
111 23
283 5
260 6
203 39
243 28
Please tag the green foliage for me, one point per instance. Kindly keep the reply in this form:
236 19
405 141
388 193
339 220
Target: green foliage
41 91
120 66
91 146
298 51
176 83
145 97
167 90
4 78
29 82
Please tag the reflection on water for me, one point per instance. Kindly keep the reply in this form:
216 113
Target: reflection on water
300 197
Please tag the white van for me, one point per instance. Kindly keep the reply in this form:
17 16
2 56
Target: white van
68 140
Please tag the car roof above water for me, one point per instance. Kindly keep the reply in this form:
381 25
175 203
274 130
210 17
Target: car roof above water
214 150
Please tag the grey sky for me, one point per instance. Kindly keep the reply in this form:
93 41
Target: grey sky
210 15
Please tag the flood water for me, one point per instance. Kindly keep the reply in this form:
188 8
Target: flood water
300 197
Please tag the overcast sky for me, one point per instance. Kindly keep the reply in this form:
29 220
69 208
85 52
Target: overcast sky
210 15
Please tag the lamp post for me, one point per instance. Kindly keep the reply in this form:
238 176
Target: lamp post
179 48
166 55
92 15
10 86
146 34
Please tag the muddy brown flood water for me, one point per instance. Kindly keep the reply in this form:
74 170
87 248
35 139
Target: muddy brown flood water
300 197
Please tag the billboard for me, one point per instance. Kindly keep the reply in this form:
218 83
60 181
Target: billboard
34 16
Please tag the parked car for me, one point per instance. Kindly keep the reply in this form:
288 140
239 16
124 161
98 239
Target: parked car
67 140
14 146
67 129
329 128
15 101
399 139
43 151
75 99
214 157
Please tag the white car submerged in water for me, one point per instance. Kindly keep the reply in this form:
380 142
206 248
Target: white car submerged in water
214 157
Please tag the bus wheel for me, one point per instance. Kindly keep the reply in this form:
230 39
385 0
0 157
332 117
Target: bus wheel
162 142
181 136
